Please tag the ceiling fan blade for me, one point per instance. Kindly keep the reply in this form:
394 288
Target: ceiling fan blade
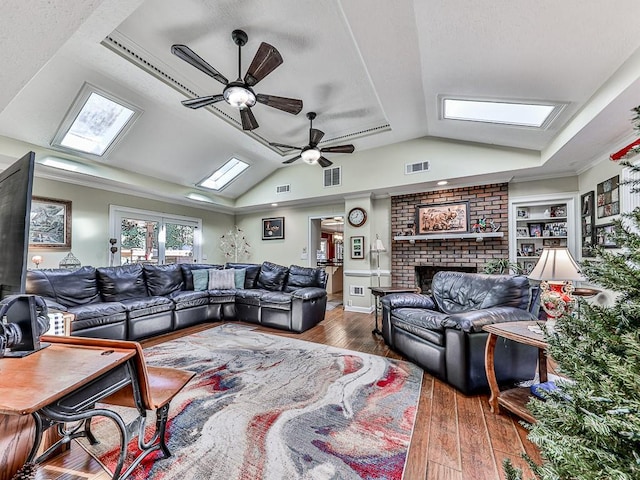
192 58
202 101
282 145
266 60
249 122
323 162
338 149
289 105
315 136
291 160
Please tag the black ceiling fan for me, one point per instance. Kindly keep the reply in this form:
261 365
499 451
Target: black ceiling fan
311 154
240 93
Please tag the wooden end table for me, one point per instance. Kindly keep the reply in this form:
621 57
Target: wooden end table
514 399
379 292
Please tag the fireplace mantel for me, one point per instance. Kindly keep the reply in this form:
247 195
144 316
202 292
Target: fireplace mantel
449 236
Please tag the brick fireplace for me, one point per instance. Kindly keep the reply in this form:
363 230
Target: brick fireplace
489 201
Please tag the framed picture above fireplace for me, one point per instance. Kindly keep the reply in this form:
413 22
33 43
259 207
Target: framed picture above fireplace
442 218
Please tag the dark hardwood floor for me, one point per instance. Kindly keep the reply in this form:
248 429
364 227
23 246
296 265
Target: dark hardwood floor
456 436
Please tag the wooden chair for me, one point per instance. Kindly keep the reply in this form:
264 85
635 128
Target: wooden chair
154 390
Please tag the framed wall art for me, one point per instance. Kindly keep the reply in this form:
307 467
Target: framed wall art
50 223
442 218
273 228
587 221
357 247
608 197
605 236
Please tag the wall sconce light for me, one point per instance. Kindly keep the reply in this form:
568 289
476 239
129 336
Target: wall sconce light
37 260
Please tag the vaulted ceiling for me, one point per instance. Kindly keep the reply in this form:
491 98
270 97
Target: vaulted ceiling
374 71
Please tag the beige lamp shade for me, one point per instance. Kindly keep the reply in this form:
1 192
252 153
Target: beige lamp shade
378 246
556 263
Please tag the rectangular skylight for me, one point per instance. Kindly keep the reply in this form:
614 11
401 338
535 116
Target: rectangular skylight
95 122
221 177
507 113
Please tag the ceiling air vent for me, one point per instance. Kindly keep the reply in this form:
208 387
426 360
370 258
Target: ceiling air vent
283 188
410 168
332 177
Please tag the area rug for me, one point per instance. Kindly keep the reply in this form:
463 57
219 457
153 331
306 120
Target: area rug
269 407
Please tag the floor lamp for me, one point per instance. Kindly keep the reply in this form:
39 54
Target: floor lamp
377 248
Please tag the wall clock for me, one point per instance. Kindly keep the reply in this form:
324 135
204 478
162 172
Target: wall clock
357 216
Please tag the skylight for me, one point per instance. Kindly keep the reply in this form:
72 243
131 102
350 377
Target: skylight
94 123
225 174
507 113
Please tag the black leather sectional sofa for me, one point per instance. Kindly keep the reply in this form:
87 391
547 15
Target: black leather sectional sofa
442 332
138 301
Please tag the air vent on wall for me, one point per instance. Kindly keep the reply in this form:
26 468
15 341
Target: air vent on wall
283 188
410 168
356 291
332 177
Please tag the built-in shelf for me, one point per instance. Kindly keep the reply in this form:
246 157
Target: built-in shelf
449 236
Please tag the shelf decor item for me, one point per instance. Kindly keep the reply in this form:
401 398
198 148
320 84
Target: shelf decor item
556 269
442 218
273 228
535 229
587 222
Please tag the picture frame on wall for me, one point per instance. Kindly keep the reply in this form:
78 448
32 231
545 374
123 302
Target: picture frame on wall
273 228
50 224
442 218
357 247
587 221
608 197
605 236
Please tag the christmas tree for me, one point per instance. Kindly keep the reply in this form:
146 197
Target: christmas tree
590 427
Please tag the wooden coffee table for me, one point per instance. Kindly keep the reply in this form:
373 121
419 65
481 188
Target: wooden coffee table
514 399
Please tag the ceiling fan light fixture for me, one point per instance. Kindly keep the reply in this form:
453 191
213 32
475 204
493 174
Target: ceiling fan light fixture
310 156
239 96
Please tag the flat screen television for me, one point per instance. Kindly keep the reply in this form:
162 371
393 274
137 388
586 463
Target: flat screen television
16 185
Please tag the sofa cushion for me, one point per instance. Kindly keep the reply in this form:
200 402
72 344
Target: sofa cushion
425 324
200 279
163 279
300 277
221 279
272 277
141 307
456 292
188 299
121 283
239 276
187 268
67 287
279 300
251 272
249 296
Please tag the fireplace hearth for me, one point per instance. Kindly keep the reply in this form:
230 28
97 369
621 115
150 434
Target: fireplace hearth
424 275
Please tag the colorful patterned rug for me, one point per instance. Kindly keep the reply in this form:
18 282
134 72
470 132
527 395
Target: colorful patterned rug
269 407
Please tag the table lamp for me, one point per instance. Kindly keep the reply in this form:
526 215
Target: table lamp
376 248
556 269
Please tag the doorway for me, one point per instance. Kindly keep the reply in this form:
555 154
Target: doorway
326 249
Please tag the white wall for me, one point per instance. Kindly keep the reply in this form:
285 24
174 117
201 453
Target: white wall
90 222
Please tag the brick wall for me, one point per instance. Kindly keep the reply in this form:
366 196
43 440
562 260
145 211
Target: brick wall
489 201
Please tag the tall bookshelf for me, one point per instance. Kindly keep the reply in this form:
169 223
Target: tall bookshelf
539 221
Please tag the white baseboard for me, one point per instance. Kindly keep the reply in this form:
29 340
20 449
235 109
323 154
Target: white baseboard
359 309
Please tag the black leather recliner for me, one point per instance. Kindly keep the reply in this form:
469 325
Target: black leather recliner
443 333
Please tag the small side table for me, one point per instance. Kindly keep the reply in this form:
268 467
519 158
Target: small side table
379 292
514 399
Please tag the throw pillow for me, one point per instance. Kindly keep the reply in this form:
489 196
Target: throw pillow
239 274
221 280
200 279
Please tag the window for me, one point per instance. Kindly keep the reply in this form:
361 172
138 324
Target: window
94 122
154 238
537 115
224 175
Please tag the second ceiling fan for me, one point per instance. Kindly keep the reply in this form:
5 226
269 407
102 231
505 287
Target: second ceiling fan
311 154
239 93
